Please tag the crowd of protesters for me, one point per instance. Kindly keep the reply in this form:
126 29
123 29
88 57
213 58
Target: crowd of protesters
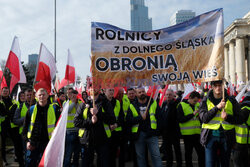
121 126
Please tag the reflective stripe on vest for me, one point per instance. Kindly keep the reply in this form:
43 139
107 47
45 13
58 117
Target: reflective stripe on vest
2 118
51 120
117 112
125 104
153 121
23 114
193 125
135 114
215 123
71 115
14 102
82 130
106 127
241 131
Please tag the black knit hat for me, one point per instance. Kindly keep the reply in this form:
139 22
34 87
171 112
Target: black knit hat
216 82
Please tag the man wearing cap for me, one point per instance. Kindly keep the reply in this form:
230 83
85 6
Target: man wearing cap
218 116
144 127
72 145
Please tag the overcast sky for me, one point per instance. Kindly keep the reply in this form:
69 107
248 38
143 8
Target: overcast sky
33 22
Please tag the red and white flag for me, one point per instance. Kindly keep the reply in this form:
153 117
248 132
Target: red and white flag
240 96
188 89
54 152
70 73
14 65
46 69
163 95
154 90
57 83
231 89
2 79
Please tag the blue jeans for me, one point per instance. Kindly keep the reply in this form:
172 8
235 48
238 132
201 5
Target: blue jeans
152 144
217 152
72 146
33 157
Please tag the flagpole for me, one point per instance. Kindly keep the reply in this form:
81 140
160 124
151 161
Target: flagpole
37 65
150 98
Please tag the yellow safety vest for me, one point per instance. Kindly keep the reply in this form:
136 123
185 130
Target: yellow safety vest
14 102
116 112
2 118
241 131
153 121
71 115
23 114
82 130
215 123
51 120
125 104
192 126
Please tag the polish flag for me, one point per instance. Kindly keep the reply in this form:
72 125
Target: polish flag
188 89
231 89
2 79
57 83
163 95
46 69
70 74
154 90
54 152
14 65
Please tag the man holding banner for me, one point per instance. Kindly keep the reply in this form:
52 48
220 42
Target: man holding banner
218 114
94 121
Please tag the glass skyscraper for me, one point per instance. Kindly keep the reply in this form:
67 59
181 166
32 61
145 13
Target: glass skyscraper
139 16
181 16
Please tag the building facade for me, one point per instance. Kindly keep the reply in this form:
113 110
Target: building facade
181 16
139 16
33 59
237 51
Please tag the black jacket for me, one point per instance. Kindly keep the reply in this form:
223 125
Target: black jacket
9 115
169 122
40 130
3 111
245 113
17 116
206 116
144 125
95 133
